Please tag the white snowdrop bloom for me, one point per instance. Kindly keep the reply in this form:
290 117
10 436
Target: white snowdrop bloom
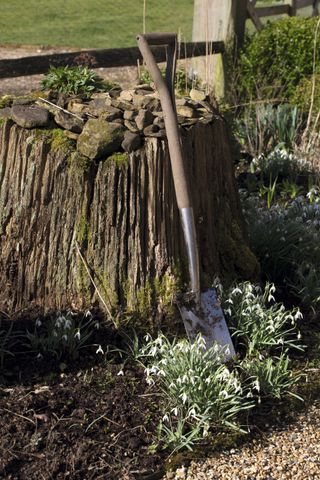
175 411
147 337
39 356
88 314
65 338
192 413
236 290
223 394
184 397
99 349
77 334
120 373
97 325
67 324
256 385
59 321
55 333
38 322
165 418
299 336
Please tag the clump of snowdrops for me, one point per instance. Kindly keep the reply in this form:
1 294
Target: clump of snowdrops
62 335
200 392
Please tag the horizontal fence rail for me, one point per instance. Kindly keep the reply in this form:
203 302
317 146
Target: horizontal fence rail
255 13
102 58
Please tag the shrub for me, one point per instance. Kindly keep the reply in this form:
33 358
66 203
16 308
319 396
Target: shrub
74 81
276 59
281 165
258 323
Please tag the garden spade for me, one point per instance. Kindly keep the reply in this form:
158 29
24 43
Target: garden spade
201 312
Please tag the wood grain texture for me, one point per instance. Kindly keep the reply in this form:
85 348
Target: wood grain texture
124 218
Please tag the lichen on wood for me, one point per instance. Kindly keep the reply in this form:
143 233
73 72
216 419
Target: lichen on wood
122 211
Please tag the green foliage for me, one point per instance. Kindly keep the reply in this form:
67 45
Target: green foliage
62 336
184 83
277 58
73 81
279 165
263 127
7 341
270 377
199 391
285 239
258 323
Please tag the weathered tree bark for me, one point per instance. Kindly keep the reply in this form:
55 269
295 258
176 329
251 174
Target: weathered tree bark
122 214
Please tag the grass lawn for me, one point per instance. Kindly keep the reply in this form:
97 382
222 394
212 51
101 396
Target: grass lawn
90 23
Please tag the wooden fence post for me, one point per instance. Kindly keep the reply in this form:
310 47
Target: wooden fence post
293 10
214 20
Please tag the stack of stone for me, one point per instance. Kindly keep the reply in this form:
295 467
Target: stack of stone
112 121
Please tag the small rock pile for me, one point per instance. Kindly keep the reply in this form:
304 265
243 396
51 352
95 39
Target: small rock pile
108 122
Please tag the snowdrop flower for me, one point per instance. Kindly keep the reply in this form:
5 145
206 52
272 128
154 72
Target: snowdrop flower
88 314
184 397
165 418
175 411
97 325
121 372
38 322
99 350
65 338
39 356
77 334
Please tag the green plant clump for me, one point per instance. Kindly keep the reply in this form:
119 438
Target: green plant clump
258 323
74 81
276 59
62 336
199 390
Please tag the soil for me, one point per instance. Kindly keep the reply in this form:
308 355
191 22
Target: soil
90 418
125 76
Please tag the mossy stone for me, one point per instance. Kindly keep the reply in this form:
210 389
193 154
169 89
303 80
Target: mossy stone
100 138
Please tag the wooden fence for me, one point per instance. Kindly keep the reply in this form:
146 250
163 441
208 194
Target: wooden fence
119 57
102 58
255 13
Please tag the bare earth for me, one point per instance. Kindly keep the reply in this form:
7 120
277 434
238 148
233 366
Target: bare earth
125 76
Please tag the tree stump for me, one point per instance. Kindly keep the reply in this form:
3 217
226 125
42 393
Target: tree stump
121 211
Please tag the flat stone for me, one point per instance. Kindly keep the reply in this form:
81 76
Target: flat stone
71 135
131 126
122 105
30 116
189 121
185 111
129 114
98 106
126 95
160 134
69 122
131 141
159 121
144 86
146 102
151 129
115 92
5 113
22 101
77 107
181 102
120 121
144 119
197 95
100 138
111 114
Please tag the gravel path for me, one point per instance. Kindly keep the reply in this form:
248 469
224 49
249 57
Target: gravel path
292 452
